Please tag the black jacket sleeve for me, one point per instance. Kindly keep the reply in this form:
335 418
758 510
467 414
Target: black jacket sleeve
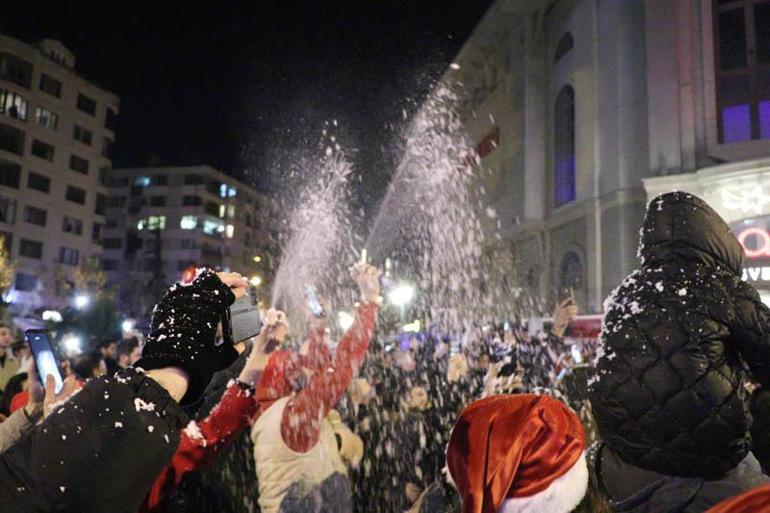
184 327
750 331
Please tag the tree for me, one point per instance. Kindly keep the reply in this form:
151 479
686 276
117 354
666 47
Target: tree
90 278
7 267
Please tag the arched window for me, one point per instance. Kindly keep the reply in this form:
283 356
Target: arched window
571 272
565 45
564 147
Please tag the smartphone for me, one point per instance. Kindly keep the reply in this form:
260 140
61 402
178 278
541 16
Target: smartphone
45 359
241 321
313 303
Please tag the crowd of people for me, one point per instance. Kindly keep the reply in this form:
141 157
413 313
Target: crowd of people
668 411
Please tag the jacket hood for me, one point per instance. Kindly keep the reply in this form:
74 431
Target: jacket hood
680 226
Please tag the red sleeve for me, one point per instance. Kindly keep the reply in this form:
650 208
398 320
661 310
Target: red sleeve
199 447
302 416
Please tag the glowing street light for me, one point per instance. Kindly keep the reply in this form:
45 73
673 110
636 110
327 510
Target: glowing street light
257 259
401 295
71 344
128 325
52 315
81 301
345 320
255 281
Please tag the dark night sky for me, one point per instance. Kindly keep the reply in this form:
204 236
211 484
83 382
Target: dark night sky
239 85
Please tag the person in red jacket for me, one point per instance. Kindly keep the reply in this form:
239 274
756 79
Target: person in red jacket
295 448
201 442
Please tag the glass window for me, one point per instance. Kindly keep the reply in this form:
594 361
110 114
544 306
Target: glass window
50 85
109 119
47 118
158 201
188 223
31 248
83 135
11 139
211 227
72 225
117 201
564 147
142 181
38 182
112 223
112 243
34 215
15 70
42 150
191 201
79 164
13 105
213 209
189 244
566 43
68 256
193 179
25 282
96 233
152 223
742 43
7 210
76 194
160 180
10 174
86 104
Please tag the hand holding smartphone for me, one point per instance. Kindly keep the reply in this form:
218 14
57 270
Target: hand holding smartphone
45 359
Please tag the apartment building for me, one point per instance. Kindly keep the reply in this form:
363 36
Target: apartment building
57 130
163 220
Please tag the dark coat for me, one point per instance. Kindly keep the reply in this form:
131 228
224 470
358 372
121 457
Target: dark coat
668 393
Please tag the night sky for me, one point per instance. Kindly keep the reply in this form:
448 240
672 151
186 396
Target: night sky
241 86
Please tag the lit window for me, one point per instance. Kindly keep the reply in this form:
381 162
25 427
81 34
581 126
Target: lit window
223 191
564 147
230 231
213 227
188 223
142 181
47 118
152 223
222 211
231 211
231 192
13 105
742 55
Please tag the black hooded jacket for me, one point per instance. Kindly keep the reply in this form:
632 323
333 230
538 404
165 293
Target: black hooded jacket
679 336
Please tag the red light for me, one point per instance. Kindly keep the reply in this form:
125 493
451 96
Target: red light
188 274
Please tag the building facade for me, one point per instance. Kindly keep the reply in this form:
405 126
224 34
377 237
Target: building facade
583 109
57 130
163 220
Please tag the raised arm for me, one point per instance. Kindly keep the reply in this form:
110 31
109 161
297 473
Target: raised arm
304 412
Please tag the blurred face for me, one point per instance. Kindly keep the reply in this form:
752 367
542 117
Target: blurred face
111 350
135 355
418 398
5 338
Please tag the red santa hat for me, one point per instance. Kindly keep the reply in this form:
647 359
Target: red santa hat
757 499
518 453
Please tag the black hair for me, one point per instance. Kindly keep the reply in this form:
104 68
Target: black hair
85 364
105 343
13 387
126 345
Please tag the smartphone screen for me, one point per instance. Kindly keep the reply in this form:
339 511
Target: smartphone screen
45 360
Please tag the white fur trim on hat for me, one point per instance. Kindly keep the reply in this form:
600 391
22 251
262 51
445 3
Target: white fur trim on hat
562 496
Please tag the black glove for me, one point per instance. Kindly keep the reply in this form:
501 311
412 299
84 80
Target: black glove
184 328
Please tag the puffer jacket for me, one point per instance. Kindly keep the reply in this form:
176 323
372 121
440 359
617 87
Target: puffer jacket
679 336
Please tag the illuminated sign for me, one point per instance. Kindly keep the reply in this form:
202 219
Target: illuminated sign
746 198
755 242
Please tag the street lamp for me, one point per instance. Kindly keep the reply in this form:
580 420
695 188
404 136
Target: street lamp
257 259
71 344
81 301
255 281
401 295
128 325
